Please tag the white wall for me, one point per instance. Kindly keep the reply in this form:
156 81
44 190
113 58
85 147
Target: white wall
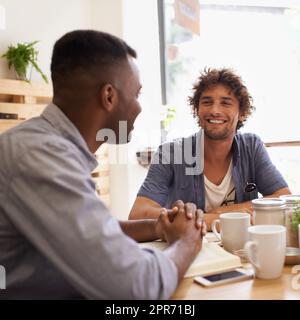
107 16
133 20
136 22
140 30
47 20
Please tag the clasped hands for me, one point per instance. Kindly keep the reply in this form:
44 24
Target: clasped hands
183 221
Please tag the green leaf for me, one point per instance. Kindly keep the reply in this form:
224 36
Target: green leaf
21 57
296 218
169 118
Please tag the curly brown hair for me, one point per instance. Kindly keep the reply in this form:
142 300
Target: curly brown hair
211 77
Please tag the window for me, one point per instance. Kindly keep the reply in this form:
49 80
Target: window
260 42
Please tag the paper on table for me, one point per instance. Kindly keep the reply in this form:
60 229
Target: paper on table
211 237
211 259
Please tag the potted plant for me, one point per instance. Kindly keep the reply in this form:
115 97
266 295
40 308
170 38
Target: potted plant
23 57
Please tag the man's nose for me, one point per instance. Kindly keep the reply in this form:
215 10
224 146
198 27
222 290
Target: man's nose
215 108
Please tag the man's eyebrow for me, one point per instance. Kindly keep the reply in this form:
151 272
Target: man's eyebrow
210 98
227 98
206 98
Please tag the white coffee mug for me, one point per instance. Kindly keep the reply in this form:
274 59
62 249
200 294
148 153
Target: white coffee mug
234 230
266 250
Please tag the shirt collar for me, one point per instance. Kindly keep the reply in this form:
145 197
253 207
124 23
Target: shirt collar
235 149
198 140
53 114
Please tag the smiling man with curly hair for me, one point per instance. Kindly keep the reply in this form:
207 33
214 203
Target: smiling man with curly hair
232 167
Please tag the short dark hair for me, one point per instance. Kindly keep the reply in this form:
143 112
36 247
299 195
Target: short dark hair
85 50
211 77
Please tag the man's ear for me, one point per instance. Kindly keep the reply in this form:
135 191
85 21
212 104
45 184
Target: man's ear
109 97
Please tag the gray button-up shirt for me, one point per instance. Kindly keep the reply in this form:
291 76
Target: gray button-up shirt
57 238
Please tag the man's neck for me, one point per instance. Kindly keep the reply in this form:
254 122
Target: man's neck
88 133
217 151
82 121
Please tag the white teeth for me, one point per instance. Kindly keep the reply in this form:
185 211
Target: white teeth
216 121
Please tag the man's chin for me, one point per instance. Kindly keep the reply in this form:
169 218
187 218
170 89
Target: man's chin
216 135
118 142
122 140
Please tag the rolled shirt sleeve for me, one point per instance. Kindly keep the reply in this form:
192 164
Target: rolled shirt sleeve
52 201
268 177
159 177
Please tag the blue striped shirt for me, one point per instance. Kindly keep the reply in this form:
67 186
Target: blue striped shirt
57 238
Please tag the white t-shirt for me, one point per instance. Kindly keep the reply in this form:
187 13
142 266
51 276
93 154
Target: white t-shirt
223 194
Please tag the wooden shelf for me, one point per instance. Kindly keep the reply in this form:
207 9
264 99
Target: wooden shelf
7 124
24 111
27 100
22 88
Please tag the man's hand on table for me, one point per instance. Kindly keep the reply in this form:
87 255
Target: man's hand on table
184 210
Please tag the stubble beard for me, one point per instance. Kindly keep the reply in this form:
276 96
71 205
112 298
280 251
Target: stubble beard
217 135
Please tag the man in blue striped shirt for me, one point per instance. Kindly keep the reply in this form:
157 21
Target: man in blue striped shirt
57 238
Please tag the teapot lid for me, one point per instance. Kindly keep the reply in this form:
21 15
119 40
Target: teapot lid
268 202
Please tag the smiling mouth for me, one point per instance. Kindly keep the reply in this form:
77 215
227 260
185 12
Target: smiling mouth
216 121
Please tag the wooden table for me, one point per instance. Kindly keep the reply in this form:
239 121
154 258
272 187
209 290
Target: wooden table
257 289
